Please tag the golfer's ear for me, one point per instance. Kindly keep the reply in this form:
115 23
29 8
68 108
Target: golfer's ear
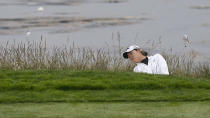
138 50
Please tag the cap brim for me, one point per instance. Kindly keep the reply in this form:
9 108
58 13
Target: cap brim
125 55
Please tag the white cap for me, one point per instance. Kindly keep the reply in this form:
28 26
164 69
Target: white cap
129 49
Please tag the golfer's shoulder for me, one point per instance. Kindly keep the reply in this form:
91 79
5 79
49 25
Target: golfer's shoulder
157 56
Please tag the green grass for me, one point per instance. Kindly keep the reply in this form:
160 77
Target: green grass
91 86
107 110
95 94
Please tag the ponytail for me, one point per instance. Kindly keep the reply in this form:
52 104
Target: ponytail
144 53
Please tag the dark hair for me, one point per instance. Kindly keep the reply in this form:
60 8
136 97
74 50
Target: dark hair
143 52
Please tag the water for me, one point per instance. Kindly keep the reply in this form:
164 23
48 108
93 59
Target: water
96 23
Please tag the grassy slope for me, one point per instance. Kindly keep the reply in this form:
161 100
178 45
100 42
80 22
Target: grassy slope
107 110
65 86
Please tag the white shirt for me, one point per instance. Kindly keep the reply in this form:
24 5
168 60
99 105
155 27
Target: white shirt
156 65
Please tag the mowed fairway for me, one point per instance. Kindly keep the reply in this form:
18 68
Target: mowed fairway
107 110
89 94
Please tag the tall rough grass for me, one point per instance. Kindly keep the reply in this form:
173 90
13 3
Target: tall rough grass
36 56
185 65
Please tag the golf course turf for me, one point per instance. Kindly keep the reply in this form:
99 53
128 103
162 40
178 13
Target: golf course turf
91 94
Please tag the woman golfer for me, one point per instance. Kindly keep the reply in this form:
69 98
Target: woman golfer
155 64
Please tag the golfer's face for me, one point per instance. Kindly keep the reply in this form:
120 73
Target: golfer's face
133 56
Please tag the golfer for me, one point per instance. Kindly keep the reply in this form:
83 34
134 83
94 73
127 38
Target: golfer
155 64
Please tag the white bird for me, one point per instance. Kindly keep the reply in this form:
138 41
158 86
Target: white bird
28 33
186 38
40 9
